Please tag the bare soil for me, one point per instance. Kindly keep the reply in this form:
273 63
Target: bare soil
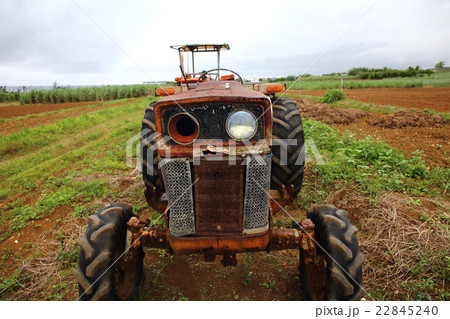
408 131
21 110
13 126
257 276
437 99
403 119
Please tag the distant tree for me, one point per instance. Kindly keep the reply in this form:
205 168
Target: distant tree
440 65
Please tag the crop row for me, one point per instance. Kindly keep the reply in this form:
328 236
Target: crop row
103 93
329 82
9 96
308 84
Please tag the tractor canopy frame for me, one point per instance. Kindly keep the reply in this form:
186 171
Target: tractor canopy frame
196 48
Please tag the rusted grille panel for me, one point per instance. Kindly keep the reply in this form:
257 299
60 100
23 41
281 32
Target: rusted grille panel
177 180
219 198
256 206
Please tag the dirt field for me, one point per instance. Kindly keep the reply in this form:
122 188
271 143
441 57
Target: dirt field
407 131
437 99
21 110
258 276
9 127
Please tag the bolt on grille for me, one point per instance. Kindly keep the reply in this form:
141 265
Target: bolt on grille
256 203
177 180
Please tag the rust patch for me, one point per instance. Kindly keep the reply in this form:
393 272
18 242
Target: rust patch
156 199
285 239
218 198
281 197
218 245
314 262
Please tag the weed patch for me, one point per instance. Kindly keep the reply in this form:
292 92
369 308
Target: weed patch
375 165
333 96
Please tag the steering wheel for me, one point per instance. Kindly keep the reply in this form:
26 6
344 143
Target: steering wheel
205 73
203 76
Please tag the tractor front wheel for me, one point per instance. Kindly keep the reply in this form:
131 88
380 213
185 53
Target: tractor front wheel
335 273
149 153
107 268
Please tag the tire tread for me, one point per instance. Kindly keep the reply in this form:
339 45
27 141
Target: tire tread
343 256
287 124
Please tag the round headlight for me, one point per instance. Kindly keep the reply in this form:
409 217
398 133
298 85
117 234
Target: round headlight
241 125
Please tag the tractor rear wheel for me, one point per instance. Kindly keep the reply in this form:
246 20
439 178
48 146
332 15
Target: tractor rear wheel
149 153
336 273
287 145
107 270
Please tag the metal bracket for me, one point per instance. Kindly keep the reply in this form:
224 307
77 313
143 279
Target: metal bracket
156 199
281 197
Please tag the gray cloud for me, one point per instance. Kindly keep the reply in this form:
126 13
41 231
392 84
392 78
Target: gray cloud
58 39
44 41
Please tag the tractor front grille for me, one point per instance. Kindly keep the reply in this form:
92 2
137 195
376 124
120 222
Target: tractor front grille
229 200
178 182
256 204
219 198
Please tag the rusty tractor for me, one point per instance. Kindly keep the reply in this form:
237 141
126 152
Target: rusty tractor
219 159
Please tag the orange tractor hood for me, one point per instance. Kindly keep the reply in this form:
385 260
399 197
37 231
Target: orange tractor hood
215 90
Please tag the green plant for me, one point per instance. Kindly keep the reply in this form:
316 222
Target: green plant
248 279
440 66
333 96
65 95
68 258
421 289
11 283
378 295
81 211
374 165
272 285
182 297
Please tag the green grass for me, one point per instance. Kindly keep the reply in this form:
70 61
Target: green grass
334 82
386 109
52 166
62 111
73 162
441 79
49 162
348 103
369 107
374 166
366 170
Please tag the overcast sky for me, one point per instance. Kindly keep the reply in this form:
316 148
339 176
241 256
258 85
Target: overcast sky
76 42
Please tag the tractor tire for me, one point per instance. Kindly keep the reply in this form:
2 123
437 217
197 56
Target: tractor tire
288 160
336 274
103 273
149 153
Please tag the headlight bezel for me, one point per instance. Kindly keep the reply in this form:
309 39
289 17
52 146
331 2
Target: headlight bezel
255 124
175 133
